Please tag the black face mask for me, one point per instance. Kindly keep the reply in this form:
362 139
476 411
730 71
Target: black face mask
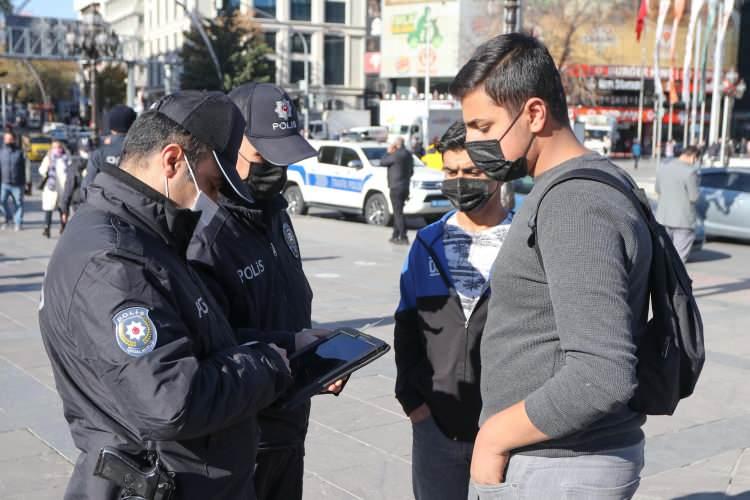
266 180
467 194
489 158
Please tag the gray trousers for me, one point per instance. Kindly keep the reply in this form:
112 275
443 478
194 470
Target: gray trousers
440 465
611 475
683 240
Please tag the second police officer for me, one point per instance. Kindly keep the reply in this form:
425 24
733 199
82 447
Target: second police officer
251 253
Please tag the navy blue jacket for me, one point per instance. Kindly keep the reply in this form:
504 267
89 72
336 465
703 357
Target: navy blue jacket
436 346
251 260
12 166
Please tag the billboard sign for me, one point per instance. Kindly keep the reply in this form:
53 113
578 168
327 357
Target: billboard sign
407 29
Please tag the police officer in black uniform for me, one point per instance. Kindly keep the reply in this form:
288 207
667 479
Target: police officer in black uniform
143 358
252 254
120 118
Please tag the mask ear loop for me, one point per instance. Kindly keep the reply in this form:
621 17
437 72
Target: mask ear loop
228 180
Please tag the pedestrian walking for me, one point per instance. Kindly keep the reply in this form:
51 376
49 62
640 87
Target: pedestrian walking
445 282
677 187
120 119
636 151
250 257
54 172
12 180
147 366
569 291
72 195
400 163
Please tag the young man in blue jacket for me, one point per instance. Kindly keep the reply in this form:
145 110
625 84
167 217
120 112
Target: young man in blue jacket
439 323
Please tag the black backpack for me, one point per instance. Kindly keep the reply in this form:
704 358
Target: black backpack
670 351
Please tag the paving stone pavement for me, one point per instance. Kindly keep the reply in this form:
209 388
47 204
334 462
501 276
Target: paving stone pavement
359 445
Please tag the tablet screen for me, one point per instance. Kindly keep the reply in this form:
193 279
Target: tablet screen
327 356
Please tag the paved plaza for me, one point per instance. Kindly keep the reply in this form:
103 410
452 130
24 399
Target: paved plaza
359 445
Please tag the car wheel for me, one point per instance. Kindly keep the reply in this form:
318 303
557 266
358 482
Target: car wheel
376 210
293 196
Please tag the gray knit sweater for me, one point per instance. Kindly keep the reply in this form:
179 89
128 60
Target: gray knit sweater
562 337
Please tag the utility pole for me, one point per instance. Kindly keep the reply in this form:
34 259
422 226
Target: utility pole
512 16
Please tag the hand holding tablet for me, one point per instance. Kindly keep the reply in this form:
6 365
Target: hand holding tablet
321 364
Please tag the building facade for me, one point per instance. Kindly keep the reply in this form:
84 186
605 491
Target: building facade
328 35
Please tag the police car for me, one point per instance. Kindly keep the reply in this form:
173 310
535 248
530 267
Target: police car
347 177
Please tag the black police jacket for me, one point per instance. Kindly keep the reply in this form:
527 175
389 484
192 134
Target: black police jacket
143 358
400 165
108 154
252 257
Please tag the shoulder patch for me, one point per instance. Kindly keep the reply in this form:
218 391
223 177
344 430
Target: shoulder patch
291 239
135 332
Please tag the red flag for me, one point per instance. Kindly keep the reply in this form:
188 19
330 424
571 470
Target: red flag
641 19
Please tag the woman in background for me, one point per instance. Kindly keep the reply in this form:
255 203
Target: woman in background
53 170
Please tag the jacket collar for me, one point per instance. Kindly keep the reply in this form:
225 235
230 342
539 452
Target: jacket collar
259 212
119 192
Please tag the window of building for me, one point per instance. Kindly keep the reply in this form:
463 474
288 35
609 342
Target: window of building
272 70
266 6
270 38
297 45
333 54
300 10
335 11
296 71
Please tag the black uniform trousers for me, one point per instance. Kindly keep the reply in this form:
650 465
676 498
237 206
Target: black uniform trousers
278 473
398 199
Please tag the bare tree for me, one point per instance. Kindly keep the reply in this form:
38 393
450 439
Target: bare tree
561 23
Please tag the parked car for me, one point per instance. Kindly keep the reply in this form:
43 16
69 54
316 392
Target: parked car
724 202
36 146
522 187
347 177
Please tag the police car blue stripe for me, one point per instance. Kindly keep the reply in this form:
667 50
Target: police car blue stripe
331 182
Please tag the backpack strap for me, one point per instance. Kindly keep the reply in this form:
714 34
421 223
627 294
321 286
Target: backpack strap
635 194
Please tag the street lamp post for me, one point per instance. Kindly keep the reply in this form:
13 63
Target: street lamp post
92 41
732 89
306 74
199 26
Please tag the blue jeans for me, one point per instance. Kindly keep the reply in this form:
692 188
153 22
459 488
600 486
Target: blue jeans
6 191
440 465
608 475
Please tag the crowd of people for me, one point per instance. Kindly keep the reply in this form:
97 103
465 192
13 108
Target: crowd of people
176 295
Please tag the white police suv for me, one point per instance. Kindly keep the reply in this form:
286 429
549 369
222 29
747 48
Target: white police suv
347 176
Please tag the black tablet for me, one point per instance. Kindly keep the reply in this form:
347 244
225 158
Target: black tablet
324 362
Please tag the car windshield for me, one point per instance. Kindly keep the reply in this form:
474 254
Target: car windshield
595 134
374 154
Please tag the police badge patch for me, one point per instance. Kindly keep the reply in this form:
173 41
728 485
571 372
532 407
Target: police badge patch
291 239
134 331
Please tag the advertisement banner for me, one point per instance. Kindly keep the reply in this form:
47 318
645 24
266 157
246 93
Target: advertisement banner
406 31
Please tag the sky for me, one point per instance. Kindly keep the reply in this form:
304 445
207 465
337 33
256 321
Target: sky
50 8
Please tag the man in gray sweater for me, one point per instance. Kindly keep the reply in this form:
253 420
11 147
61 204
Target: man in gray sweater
677 187
559 348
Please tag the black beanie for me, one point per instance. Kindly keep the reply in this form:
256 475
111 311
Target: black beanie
121 117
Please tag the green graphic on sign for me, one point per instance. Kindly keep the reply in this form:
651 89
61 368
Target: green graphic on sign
419 35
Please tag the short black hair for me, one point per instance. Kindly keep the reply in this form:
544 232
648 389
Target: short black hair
513 68
152 131
454 139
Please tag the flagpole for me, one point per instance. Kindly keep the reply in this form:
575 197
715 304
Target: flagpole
695 92
640 97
